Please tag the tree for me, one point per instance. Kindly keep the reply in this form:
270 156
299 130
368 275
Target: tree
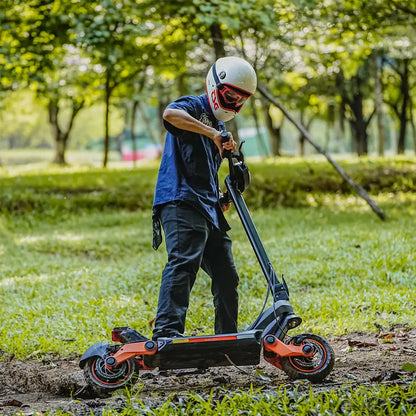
354 93
39 54
114 36
387 28
399 98
65 88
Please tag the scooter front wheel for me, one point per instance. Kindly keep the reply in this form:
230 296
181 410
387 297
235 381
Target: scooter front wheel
315 367
102 379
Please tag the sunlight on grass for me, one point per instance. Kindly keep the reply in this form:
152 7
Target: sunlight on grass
30 239
79 277
76 256
39 161
7 282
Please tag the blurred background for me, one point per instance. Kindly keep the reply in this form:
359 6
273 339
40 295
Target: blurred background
87 81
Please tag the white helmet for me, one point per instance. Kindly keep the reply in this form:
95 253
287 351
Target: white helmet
230 82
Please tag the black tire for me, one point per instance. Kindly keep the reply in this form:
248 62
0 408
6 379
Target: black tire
314 368
103 381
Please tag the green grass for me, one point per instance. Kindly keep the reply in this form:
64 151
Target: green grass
70 273
364 400
73 277
381 400
276 182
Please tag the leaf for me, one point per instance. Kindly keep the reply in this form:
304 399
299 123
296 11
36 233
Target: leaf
12 402
261 375
385 336
33 354
409 367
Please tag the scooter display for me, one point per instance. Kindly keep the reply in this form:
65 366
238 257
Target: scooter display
108 366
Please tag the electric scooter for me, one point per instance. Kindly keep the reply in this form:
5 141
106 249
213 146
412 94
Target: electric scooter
112 366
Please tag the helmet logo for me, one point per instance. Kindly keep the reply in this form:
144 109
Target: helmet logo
214 100
222 75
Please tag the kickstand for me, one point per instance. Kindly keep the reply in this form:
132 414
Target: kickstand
257 377
235 365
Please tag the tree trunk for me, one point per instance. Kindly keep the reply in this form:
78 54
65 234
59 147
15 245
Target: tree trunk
340 127
147 123
301 136
404 88
359 125
132 126
261 145
60 136
181 84
330 125
274 132
378 102
53 110
358 122
219 49
162 103
218 40
107 118
412 123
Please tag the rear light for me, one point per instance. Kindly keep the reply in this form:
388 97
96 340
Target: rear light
116 332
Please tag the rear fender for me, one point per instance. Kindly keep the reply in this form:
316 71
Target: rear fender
96 350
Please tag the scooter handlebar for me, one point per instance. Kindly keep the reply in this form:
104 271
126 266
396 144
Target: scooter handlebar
224 139
224 136
228 154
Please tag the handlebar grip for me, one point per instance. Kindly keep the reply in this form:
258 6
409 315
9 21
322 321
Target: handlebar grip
224 136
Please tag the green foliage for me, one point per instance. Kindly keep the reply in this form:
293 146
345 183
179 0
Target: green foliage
69 51
276 182
411 368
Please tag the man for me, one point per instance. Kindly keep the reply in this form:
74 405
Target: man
186 198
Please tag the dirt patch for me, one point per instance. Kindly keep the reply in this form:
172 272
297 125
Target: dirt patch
33 387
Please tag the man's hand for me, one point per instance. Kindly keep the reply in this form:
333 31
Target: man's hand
229 145
225 201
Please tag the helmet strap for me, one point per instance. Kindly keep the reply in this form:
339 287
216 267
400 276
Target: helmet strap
214 73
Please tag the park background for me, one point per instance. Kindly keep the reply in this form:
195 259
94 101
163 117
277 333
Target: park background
83 86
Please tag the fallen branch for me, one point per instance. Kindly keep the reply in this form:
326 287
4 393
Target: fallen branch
360 190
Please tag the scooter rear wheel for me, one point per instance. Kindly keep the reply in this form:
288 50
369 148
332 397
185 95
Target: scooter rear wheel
102 379
314 368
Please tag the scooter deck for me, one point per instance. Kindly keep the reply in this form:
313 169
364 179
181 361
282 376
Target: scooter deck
207 351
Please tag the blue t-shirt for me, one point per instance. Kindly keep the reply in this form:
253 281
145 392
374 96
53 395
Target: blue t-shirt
189 168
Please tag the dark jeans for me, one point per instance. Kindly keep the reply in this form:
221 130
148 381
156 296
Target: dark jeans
193 242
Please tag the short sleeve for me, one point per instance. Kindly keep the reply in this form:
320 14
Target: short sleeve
186 104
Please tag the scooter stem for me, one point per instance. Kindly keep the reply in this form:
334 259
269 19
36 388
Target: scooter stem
278 289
